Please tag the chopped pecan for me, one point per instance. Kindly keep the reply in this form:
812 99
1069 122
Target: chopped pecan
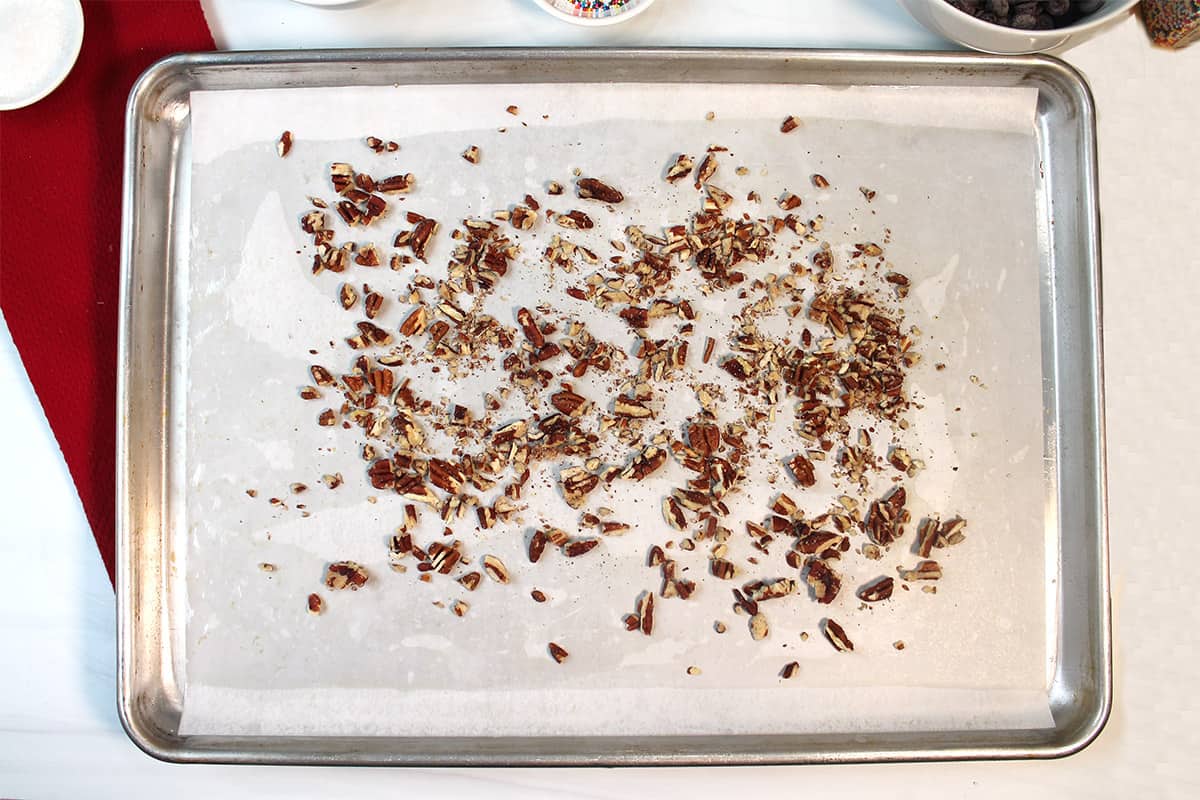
824 582
593 189
578 547
557 652
625 406
530 328
924 571
372 303
538 596
495 569
790 670
646 612
284 145
927 537
820 182
789 201
416 322
537 544
674 513
880 589
577 483
346 575
575 219
759 629
470 580
471 154
837 636
706 170
347 296
721 568
396 184
802 471
790 123
315 604
680 168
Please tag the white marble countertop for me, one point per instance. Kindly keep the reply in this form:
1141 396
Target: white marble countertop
59 734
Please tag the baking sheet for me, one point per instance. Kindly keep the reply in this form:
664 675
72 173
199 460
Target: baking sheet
955 172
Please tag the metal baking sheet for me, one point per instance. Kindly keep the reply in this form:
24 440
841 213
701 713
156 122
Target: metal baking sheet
154 494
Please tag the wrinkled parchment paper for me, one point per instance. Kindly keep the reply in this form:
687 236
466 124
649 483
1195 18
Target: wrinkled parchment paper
955 173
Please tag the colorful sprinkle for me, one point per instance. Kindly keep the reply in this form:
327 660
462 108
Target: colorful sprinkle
594 8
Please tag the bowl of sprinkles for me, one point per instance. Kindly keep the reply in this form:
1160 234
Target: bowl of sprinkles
594 12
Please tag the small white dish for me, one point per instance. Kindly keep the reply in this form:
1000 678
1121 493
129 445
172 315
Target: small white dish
565 10
38 48
331 3
946 20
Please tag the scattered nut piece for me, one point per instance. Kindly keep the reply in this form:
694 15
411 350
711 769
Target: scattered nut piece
346 575
284 145
837 636
558 653
790 124
471 154
315 604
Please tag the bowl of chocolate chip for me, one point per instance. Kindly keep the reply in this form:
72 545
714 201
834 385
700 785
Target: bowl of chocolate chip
1018 26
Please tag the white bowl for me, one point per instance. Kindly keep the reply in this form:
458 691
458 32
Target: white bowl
561 9
38 49
946 20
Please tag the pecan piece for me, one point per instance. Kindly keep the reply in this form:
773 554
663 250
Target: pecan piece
789 201
759 629
680 169
415 322
284 145
790 670
720 568
824 582
802 470
578 547
704 437
625 406
646 612
927 537
837 636
522 217
569 403
346 575
396 184
372 303
315 604
576 220
557 652
876 590
495 569
593 189
470 580
418 240
674 513
471 154
341 176
706 170
538 596
577 483
790 123
537 544
820 181
347 296
924 571
529 327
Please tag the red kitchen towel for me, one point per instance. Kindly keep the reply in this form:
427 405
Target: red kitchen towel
60 213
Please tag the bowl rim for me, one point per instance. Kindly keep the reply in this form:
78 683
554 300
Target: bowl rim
1097 18
631 11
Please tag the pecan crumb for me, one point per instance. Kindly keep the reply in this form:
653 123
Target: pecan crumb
790 124
471 154
346 575
315 604
284 145
558 653
538 596
837 636
790 670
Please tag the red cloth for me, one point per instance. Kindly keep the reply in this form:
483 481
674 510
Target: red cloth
60 213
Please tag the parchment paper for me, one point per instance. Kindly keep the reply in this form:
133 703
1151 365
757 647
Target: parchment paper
955 172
